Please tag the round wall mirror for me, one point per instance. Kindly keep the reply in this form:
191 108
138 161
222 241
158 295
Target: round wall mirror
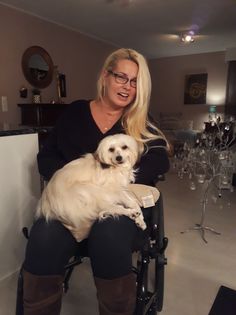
37 67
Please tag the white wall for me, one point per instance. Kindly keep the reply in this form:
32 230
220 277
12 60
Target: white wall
19 193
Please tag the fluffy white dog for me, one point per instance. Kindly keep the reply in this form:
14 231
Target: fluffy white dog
93 187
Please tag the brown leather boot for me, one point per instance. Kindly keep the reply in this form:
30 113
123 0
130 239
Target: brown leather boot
116 296
42 294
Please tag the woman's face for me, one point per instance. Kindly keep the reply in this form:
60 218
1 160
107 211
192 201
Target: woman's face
120 84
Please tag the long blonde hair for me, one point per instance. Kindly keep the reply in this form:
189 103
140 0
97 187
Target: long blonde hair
135 118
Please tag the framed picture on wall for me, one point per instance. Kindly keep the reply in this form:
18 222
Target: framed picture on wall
195 88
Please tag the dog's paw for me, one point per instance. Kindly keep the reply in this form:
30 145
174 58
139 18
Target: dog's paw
103 215
140 223
134 213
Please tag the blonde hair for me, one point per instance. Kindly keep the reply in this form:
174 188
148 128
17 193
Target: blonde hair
135 118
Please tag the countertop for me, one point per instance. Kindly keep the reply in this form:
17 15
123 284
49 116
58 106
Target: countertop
13 129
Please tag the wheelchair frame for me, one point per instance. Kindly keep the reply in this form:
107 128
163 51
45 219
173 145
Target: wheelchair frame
151 302
148 302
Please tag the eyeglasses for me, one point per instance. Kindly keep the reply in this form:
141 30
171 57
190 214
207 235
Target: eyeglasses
123 79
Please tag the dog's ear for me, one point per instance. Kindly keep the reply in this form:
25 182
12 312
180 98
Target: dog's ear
98 159
133 158
137 153
141 148
95 155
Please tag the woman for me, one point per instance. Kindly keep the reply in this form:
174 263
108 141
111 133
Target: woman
121 106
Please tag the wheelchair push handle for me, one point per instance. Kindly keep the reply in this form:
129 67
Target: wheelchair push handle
25 232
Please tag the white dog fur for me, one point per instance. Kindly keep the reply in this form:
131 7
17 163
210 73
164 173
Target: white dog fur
94 187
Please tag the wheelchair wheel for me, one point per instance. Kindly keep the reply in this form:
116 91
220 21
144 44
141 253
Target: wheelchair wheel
160 243
151 302
159 286
142 283
19 296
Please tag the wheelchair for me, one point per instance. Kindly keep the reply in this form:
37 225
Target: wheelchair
148 302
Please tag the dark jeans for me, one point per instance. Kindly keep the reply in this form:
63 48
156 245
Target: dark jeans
109 245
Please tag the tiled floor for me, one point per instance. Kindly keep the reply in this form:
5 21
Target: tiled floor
195 269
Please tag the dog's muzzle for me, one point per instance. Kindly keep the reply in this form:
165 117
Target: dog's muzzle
119 159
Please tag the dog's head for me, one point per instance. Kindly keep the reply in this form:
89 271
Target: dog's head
119 149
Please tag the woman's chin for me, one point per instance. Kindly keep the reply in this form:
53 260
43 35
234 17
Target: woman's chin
122 102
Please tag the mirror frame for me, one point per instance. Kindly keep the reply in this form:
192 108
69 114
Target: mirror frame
25 66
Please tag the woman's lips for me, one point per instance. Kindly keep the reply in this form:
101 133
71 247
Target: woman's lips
123 95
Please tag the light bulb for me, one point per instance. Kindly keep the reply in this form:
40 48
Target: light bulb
187 38
201 178
192 186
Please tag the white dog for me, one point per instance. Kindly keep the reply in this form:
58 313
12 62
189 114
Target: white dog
94 187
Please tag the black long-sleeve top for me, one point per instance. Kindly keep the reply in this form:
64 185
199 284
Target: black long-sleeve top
76 134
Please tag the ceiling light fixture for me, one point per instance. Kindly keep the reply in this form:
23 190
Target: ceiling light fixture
188 37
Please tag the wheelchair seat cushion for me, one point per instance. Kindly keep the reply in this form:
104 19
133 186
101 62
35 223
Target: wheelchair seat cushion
146 196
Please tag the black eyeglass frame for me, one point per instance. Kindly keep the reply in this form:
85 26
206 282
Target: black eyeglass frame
123 79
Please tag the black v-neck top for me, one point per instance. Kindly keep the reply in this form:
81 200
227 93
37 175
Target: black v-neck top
76 133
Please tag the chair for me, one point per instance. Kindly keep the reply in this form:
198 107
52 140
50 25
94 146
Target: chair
152 248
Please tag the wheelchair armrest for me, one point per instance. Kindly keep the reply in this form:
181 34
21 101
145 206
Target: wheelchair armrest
145 195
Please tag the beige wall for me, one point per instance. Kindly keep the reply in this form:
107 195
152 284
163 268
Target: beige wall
76 55
168 76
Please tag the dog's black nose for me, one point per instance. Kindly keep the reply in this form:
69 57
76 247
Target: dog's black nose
118 158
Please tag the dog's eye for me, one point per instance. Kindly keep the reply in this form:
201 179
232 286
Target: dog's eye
124 147
111 149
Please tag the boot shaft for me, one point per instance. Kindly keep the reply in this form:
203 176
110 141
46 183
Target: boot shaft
116 296
42 295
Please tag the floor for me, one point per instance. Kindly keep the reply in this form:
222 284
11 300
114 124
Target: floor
195 269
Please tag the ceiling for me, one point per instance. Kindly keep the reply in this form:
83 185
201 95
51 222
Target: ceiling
150 26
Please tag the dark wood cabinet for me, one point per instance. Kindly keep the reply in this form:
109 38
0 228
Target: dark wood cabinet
41 114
